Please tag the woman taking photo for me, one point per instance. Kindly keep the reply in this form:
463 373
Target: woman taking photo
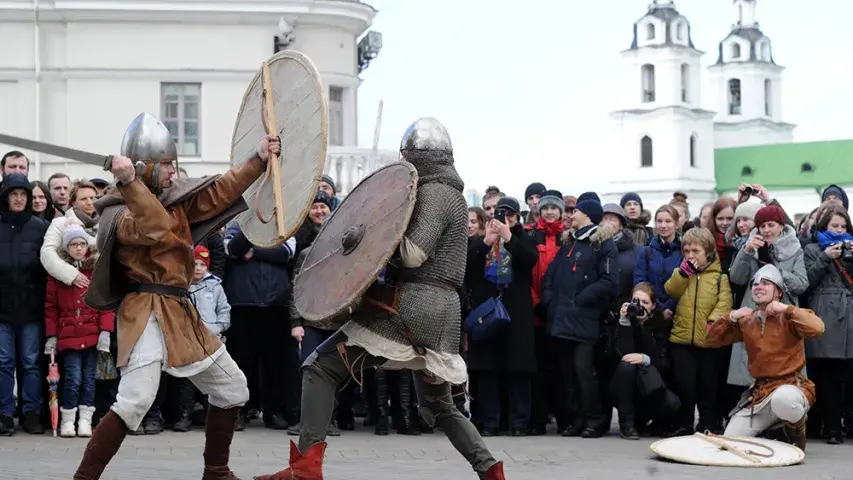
656 262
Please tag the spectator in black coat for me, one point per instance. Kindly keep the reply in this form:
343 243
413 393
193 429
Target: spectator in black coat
22 292
577 290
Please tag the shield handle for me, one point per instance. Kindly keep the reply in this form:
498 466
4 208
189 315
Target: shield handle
273 167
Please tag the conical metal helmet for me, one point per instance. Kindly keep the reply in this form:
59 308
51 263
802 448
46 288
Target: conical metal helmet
148 140
426 134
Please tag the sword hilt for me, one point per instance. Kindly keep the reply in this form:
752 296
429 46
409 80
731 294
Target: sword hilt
139 166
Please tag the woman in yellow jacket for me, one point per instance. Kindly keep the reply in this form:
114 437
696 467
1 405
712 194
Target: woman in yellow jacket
704 296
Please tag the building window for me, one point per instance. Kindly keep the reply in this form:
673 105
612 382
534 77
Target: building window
336 116
735 50
180 114
806 168
648 74
679 31
768 96
650 31
685 82
646 151
693 150
734 96
765 51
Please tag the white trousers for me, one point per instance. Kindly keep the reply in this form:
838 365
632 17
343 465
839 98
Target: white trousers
217 376
787 403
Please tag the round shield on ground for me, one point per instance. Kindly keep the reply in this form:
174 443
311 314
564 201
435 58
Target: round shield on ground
699 449
301 118
356 242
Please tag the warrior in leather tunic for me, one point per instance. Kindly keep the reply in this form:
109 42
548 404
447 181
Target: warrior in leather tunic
148 227
423 335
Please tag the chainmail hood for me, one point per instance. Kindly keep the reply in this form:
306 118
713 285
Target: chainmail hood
435 167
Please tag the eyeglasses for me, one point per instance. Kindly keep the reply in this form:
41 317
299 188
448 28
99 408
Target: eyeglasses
78 245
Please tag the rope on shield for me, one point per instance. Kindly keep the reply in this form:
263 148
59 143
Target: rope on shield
748 455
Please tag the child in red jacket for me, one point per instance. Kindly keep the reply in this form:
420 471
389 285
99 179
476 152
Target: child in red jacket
78 332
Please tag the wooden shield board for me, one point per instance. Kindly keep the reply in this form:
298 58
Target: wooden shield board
356 242
301 118
699 449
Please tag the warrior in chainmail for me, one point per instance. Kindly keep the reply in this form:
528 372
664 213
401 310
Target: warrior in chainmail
422 334
148 226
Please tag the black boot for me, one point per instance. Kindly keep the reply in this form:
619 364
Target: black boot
383 402
627 430
186 400
409 422
370 398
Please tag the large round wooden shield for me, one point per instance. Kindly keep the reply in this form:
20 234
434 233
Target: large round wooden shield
356 242
720 451
301 120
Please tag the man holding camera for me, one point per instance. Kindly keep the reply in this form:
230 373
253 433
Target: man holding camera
774 336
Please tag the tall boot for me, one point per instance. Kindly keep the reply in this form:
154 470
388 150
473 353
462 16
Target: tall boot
84 423
408 423
218 433
370 398
186 401
383 399
496 472
796 433
303 466
105 442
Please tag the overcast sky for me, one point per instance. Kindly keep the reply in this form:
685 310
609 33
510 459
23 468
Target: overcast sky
524 88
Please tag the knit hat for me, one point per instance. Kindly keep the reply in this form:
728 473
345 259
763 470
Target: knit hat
553 198
328 179
592 209
534 189
589 196
631 196
838 192
73 232
614 209
509 203
770 213
323 197
747 210
771 273
202 253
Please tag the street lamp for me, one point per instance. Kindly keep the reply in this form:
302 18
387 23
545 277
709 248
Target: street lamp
368 48
280 42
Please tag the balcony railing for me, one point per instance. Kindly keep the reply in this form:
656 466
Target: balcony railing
349 165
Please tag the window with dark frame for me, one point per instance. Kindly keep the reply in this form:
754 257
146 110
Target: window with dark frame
648 79
336 116
646 152
734 96
181 105
693 150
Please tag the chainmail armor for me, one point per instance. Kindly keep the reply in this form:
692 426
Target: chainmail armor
431 313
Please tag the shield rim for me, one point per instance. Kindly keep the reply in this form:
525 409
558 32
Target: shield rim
306 62
655 447
357 293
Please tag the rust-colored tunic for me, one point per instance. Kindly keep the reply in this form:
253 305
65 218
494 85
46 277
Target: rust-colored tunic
154 245
776 351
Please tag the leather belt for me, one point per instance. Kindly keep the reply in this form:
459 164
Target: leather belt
160 289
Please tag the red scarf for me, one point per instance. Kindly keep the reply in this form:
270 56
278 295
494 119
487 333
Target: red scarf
721 245
547 251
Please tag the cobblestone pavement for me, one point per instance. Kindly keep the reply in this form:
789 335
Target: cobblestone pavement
361 455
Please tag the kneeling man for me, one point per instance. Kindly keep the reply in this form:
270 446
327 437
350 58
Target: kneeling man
774 338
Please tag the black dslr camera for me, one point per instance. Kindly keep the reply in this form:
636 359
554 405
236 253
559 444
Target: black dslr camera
636 309
846 252
748 191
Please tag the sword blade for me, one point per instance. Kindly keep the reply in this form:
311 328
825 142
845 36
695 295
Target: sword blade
95 159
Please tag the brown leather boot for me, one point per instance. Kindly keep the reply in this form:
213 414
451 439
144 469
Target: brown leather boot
496 472
102 447
796 433
218 433
307 466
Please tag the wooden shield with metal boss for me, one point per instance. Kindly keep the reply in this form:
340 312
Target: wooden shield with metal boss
356 242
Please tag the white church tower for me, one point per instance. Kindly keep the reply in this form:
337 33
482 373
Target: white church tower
747 86
665 140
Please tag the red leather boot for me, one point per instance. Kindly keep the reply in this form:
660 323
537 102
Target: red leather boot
496 472
307 466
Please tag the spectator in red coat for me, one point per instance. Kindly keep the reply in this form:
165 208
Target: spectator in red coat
78 332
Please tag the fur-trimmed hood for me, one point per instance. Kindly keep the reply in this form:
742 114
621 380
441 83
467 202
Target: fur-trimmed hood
785 247
598 234
642 221
87 263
